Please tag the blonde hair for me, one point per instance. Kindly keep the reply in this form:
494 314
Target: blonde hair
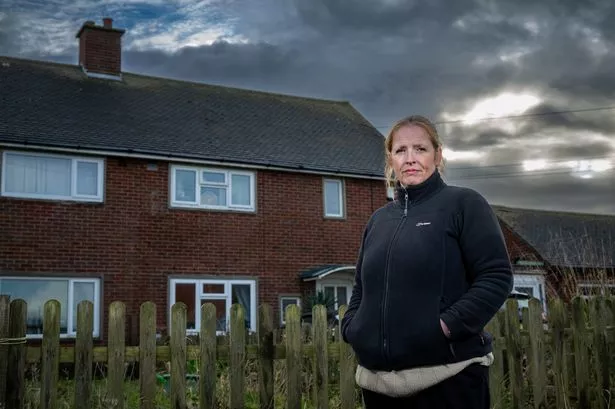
416 120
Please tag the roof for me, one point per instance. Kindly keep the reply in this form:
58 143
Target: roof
324 270
565 239
57 105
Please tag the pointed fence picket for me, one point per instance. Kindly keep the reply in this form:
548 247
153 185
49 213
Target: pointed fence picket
568 362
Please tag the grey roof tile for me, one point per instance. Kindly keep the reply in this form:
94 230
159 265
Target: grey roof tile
52 104
565 239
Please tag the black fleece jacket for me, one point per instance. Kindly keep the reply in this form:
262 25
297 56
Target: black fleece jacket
436 252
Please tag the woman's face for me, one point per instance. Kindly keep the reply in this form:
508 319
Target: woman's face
413 157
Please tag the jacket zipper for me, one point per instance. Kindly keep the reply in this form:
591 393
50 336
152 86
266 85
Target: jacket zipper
383 327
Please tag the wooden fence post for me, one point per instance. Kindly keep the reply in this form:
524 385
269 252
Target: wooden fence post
497 381
599 316
515 354
266 357
116 353
293 357
178 356
147 354
581 351
237 357
50 355
537 351
5 308
83 354
558 320
320 357
16 385
208 357
347 366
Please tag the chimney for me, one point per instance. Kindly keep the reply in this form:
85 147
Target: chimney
100 49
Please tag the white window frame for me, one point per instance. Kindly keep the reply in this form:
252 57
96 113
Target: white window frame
535 281
198 182
283 298
75 160
70 331
335 283
226 295
341 197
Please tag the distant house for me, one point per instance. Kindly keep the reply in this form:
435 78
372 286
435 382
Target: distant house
560 253
118 186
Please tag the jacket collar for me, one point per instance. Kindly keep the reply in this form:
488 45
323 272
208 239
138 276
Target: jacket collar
420 192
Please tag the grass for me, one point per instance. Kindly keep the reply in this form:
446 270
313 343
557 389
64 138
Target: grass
100 399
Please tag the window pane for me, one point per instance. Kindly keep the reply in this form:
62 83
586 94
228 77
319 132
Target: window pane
526 290
185 292
36 293
214 177
213 288
87 178
342 296
213 196
332 198
38 175
240 294
81 292
240 193
220 313
185 182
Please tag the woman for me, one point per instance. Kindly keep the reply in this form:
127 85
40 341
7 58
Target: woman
433 269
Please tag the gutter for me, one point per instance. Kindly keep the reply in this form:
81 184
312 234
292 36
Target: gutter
170 157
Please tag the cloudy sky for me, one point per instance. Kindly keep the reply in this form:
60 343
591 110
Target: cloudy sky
523 91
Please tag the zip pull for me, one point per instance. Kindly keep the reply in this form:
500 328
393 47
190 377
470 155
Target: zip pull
406 207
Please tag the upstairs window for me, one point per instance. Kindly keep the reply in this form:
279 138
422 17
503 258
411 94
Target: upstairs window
333 198
212 188
56 177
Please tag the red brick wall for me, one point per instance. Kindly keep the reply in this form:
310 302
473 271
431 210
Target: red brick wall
101 51
134 241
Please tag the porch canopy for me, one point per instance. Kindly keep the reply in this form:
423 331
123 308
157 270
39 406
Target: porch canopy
320 272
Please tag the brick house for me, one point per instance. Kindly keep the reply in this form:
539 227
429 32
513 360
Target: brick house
117 186
560 254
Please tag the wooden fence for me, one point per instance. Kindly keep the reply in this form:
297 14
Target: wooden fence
567 363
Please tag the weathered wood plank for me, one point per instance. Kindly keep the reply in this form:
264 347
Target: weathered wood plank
581 352
147 354
293 357
265 342
599 316
5 310
16 382
558 321
178 356
116 354
514 352
238 357
50 364
347 365
537 364
320 360
496 372
83 355
208 357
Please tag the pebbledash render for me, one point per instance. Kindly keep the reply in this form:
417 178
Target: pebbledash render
123 187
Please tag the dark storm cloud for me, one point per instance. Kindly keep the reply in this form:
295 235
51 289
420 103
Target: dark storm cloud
391 58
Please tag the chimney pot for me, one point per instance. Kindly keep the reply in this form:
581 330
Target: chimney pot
108 22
